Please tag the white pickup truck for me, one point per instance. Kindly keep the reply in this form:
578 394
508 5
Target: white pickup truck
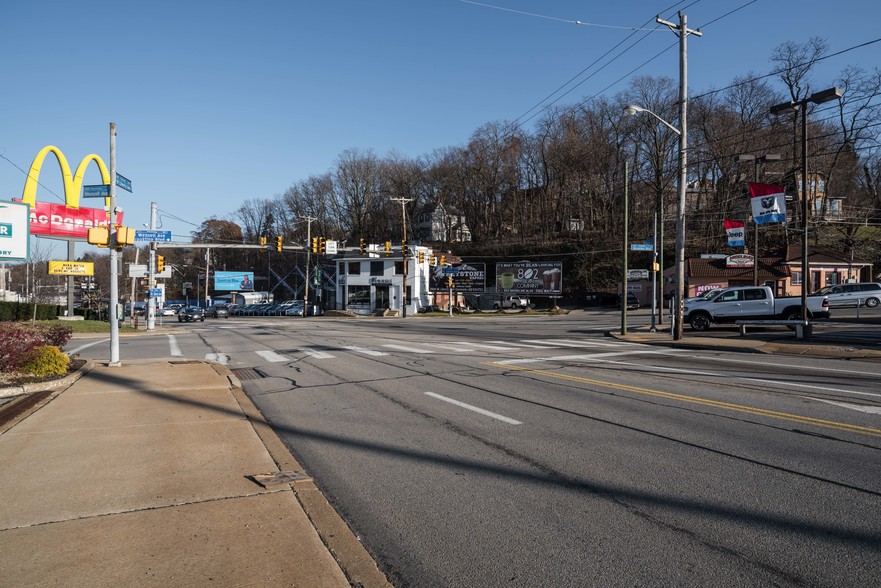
749 303
512 302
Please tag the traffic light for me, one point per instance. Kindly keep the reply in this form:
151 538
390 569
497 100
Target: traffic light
124 236
160 264
432 259
405 251
363 246
388 246
314 244
279 241
450 282
421 257
99 236
322 245
443 260
263 240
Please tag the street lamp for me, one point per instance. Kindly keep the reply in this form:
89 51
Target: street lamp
632 110
404 255
820 97
756 161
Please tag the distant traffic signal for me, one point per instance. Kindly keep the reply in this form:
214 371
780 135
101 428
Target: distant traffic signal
314 244
421 257
160 264
405 251
432 259
322 245
443 260
279 241
263 240
388 246
363 246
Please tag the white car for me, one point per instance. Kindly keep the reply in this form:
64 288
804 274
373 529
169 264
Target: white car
512 302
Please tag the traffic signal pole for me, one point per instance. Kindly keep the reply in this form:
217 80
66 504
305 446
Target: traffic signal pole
151 273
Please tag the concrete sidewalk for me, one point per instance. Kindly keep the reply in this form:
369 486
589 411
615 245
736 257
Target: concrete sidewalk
144 475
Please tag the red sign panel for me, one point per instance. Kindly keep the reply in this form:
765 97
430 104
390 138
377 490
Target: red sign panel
57 220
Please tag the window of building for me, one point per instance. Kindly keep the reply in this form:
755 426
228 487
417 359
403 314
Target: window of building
399 268
796 278
377 268
833 278
354 268
358 295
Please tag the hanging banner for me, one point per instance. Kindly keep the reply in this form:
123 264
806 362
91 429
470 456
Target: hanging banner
735 232
768 203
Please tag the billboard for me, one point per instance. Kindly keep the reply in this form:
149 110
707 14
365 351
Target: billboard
14 231
72 268
467 278
238 281
530 278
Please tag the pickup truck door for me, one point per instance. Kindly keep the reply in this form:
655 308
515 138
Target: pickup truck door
727 304
756 303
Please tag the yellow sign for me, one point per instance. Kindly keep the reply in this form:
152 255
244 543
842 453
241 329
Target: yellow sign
72 268
72 184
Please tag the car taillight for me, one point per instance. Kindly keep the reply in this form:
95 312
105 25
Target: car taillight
826 302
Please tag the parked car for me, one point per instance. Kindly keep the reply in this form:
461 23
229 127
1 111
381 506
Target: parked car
749 303
864 294
217 311
511 302
632 301
190 314
168 310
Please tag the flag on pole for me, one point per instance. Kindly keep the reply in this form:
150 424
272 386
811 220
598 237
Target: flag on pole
768 203
735 232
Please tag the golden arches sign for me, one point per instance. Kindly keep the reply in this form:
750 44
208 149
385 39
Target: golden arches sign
72 184
68 220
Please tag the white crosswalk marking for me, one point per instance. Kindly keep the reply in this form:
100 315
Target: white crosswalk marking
485 346
522 345
574 343
221 358
272 356
316 354
588 356
357 349
173 347
407 349
448 347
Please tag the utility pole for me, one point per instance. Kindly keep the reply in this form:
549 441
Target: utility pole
404 300
114 255
624 246
683 31
151 272
207 272
309 220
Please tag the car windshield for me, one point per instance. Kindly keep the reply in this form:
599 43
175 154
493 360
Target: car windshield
824 291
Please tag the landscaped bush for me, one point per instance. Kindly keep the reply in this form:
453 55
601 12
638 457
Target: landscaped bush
17 339
45 360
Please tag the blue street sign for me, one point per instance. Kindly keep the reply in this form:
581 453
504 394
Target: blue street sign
641 247
99 191
123 182
158 236
155 292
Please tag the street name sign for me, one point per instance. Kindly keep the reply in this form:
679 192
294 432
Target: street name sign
97 191
123 182
641 247
153 235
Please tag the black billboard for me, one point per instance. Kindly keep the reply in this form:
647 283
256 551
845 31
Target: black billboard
467 278
539 278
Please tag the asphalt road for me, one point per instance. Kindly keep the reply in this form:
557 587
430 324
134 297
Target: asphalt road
533 451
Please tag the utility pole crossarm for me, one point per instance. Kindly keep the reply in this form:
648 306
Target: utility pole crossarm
676 28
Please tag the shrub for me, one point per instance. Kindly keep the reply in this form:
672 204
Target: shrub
17 339
45 360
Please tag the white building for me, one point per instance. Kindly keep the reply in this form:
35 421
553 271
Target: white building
373 283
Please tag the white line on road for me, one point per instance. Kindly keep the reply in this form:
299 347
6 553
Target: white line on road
86 346
221 358
572 343
357 349
525 345
407 349
485 346
315 354
585 357
173 346
859 407
482 411
272 356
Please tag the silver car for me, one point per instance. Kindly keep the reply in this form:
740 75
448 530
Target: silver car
862 294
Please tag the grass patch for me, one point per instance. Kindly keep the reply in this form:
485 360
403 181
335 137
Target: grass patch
87 326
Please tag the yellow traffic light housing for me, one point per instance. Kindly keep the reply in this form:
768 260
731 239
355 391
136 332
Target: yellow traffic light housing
99 236
421 257
450 282
322 245
160 264
124 236
263 240
363 246
432 259
405 251
279 242
443 260
388 246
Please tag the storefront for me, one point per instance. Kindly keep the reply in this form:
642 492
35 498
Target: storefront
373 283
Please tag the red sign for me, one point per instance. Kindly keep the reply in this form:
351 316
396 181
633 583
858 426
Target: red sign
57 220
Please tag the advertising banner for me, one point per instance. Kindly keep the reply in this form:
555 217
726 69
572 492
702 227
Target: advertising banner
735 232
57 220
467 278
238 281
768 203
72 268
14 231
530 277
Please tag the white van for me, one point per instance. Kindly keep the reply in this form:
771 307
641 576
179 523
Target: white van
862 294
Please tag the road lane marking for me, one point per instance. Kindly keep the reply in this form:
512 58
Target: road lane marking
357 349
773 414
573 343
221 358
476 409
272 356
86 346
858 407
517 344
316 354
173 346
407 349
584 357
449 347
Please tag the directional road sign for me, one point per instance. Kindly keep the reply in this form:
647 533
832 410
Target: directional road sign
155 292
123 182
641 247
153 235
99 191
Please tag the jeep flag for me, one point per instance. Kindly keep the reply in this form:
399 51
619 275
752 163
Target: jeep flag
768 202
734 230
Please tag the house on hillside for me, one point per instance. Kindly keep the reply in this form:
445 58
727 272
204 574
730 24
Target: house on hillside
439 223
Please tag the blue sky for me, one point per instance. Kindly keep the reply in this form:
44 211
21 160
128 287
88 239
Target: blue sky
220 102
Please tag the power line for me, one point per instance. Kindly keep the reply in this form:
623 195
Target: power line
28 175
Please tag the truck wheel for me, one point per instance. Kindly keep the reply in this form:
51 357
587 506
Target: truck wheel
871 302
794 315
496 306
700 321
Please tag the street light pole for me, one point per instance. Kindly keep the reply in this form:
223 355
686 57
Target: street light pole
404 301
826 95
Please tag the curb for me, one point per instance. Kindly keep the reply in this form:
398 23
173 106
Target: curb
50 385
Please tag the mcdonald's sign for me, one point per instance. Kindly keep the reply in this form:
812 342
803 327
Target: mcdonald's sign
68 220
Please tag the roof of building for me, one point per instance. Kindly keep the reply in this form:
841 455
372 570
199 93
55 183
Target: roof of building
822 255
770 268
